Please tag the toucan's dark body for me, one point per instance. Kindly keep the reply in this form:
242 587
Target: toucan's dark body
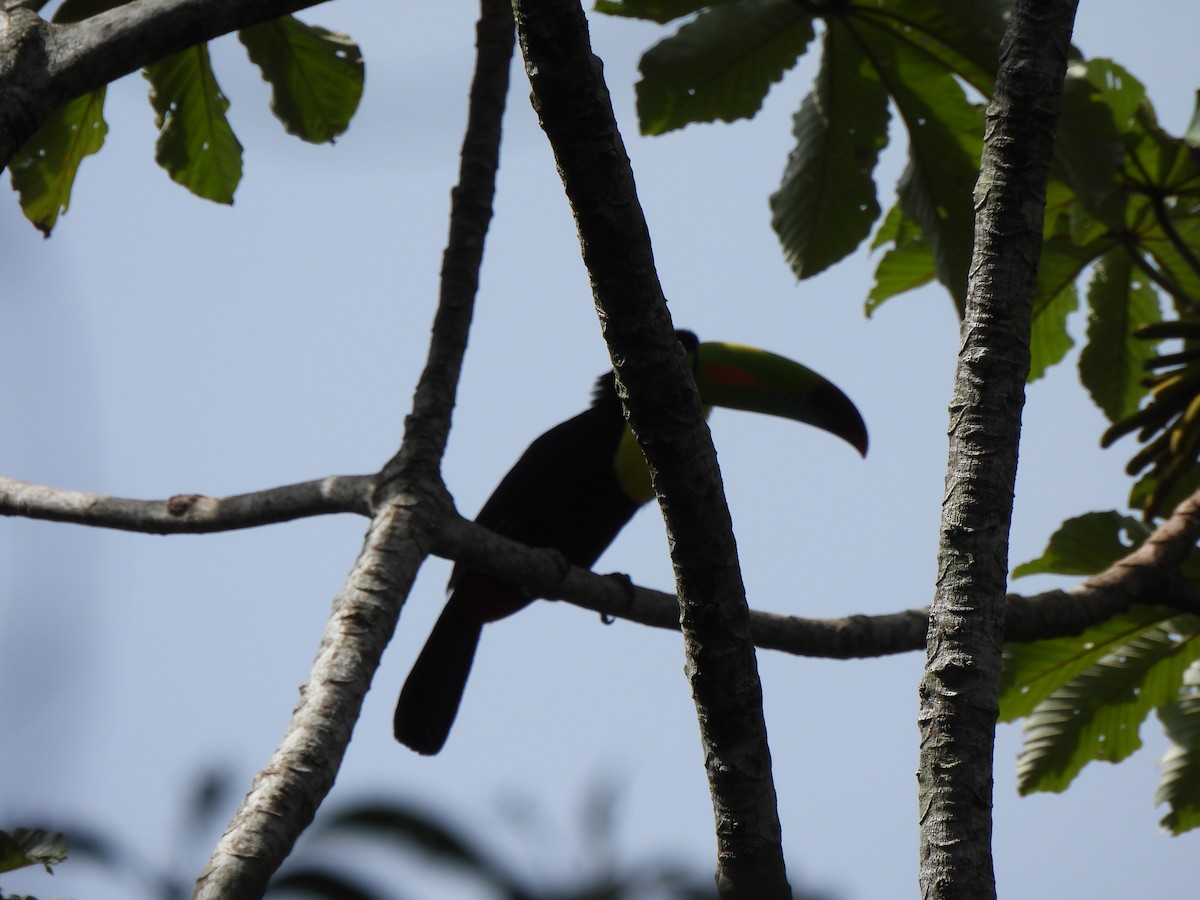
562 493
574 489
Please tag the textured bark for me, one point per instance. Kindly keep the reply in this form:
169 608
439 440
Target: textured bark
287 792
411 503
573 106
966 625
1149 575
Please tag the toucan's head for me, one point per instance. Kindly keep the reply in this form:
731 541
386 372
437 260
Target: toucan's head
739 377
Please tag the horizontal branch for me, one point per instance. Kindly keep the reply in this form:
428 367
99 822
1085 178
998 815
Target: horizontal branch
189 513
1148 575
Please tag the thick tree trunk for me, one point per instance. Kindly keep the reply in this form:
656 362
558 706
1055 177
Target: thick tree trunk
573 105
966 626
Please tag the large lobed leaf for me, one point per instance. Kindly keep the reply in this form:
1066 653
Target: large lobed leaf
1085 697
1035 671
721 65
660 11
196 145
826 203
316 76
1087 544
1111 366
1179 786
908 262
43 170
1098 713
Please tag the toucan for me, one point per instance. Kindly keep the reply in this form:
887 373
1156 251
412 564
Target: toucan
574 489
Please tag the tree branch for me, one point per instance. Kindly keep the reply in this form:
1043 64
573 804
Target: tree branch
960 686
1148 575
44 65
410 502
189 513
285 795
574 109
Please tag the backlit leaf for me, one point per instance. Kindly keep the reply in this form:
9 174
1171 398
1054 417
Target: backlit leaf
316 76
44 169
826 204
1110 366
195 143
721 65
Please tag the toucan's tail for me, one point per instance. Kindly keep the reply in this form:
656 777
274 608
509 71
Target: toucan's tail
429 700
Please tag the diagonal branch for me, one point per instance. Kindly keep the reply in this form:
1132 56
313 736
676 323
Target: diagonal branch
575 111
410 502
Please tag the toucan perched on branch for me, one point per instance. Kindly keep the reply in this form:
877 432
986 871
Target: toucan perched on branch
574 489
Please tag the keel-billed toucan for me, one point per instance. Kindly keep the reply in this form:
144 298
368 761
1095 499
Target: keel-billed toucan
574 489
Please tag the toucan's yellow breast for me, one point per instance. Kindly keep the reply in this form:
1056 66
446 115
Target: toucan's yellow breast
631 471
630 467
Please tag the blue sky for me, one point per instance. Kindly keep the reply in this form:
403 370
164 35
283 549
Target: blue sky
158 344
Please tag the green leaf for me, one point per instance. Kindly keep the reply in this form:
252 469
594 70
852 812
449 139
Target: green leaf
964 45
1034 671
721 65
43 170
316 76
195 143
1098 713
1049 340
1180 490
1117 89
31 847
945 142
78 10
410 827
1110 366
1179 786
1192 135
1183 270
1088 150
1087 545
661 11
904 267
826 204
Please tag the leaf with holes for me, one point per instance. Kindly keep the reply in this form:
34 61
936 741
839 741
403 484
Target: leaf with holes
316 76
721 65
44 169
195 143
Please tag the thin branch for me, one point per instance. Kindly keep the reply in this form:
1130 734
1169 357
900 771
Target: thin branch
960 685
575 111
189 513
1162 279
428 428
410 502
